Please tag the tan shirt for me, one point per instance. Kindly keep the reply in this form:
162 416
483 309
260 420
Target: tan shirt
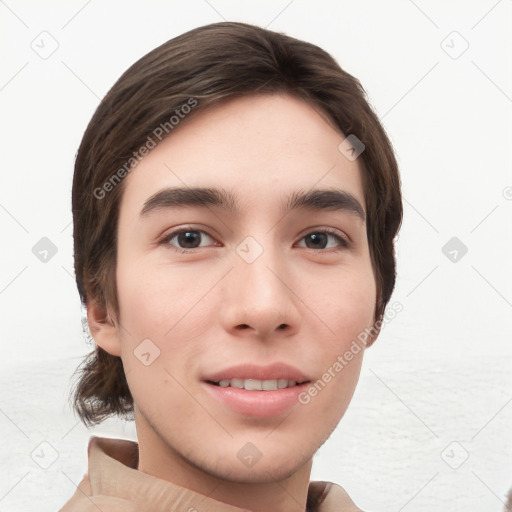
113 484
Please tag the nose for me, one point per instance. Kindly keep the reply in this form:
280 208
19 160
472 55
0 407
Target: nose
260 298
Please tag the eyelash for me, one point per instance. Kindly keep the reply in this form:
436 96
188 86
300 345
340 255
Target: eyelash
344 243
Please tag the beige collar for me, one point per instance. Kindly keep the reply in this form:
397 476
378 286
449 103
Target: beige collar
112 473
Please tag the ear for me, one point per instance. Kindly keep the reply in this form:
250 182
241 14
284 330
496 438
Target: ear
103 329
374 332
373 337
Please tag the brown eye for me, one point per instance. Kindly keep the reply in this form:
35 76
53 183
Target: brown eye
187 239
321 240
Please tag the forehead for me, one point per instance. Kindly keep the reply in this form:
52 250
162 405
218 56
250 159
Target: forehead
260 147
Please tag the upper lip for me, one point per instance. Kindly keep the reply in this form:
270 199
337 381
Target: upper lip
251 371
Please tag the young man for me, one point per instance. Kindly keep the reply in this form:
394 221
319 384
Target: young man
235 205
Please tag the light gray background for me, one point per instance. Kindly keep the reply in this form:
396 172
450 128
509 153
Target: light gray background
429 427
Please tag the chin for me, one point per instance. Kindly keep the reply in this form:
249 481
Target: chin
272 471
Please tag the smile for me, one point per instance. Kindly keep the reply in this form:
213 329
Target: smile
256 384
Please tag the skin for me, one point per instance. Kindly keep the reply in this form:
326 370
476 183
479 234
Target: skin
194 306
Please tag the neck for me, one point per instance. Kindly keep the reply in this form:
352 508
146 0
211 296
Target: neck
264 494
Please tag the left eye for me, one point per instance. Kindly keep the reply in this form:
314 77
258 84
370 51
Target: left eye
320 240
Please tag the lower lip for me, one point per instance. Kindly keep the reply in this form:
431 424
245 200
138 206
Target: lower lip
262 404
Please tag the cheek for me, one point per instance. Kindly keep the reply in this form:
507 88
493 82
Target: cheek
151 301
346 307
154 345
346 303
157 305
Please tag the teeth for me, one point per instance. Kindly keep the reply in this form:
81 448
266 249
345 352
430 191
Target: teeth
269 385
282 383
237 383
253 385
257 385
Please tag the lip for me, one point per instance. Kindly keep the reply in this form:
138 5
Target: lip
262 404
251 371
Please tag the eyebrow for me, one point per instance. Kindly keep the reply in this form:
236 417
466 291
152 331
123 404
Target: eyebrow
315 200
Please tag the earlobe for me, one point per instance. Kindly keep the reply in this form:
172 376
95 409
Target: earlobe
373 332
103 329
372 338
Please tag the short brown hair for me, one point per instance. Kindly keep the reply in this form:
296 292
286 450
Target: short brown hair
209 64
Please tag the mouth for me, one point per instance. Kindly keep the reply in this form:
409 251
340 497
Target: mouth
257 384
258 391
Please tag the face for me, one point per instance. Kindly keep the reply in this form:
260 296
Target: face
219 296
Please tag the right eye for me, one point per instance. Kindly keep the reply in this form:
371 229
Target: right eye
185 240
